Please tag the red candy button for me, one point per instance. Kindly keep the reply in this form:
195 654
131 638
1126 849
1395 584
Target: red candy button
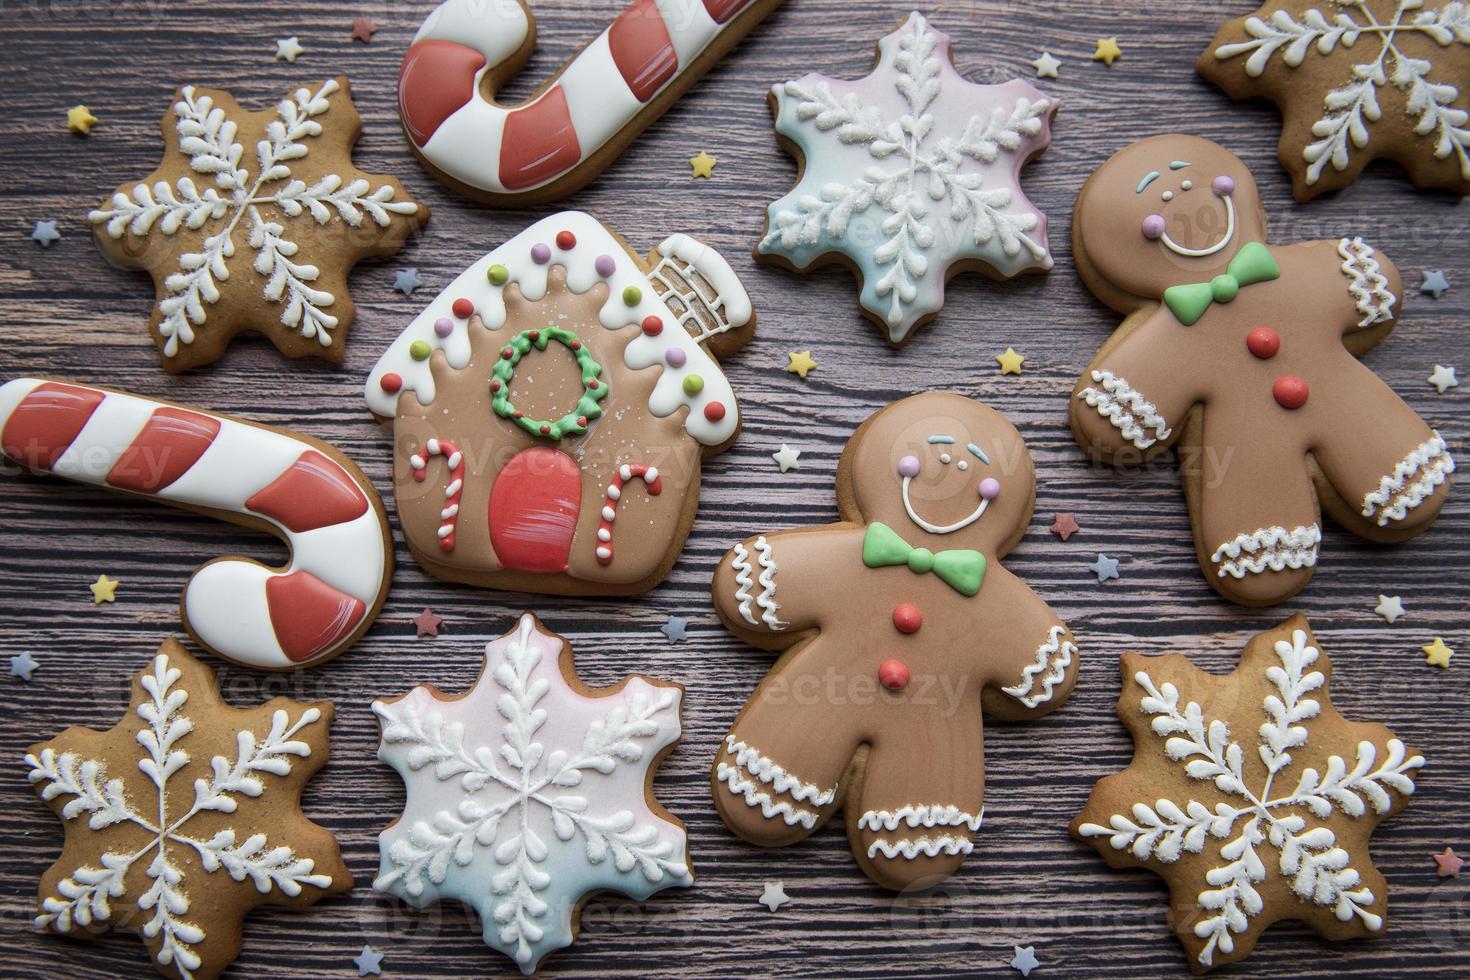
463 308
714 411
893 675
1263 342
1290 391
566 241
907 618
391 383
652 325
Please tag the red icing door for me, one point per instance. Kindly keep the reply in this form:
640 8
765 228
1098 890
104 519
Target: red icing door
534 506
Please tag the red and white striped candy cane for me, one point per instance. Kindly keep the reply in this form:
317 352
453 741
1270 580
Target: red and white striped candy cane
628 471
314 497
454 460
601 99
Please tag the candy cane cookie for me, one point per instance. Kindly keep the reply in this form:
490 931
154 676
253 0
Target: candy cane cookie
559 139
301 489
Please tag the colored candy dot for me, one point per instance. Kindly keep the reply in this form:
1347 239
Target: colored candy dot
604 265
566 241
632 295
540 254
714 411
908 466
420 350
463 308
1187 185
545 429
495 385
1290 391
497 274
507 353
893 675
652 325
1263 342
990 488
1153 226
907 618
675 357
1224 288
444 326
1223 185
693 384
592 384
391 383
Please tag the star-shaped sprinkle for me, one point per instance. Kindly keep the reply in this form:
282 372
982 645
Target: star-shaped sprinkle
103 590
1448 863
801 362
674 629
426 623
1389 607
1010 362
1443 378
1065 525
703 164
1437 654
369 960
45 233
1434 283
22 665
1104 567
363 29
79 120
406 281
775 895
1025 960
1046 66
288 49
1107 50
787 458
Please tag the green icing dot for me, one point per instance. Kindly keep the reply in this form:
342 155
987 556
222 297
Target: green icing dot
497 274
420 350
631 295
693 384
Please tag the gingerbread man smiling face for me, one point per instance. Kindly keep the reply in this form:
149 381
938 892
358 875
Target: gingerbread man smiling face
1242 354
900 626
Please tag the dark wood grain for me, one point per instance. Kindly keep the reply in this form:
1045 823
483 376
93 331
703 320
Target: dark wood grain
64 312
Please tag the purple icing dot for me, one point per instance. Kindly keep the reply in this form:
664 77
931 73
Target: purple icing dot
990 488
1153 226
605 265
908 466
540 254
444 326
1223 185
675 357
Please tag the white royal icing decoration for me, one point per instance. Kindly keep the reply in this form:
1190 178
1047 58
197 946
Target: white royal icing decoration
1056 654
1126 409
644 351
1276 547
749 762
767 597
1412 481
525 795
925 846
1366 282
1293 822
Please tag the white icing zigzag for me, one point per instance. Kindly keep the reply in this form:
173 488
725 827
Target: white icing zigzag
920 815
1054 646
766 600
1272 547
743 582
1129 412
926 846
764 768
1397 494
754 796
1366 282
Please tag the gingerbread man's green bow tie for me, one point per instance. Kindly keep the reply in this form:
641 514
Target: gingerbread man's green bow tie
962 571
1252 264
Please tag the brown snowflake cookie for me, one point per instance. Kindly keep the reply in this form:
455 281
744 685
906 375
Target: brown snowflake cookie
1355 80
1250 796
899 626
183 870
1242 355
253 221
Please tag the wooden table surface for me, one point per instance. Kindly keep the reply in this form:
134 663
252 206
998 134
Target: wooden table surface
63 311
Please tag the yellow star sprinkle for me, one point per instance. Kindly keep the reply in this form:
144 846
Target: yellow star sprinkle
801 362
1437 654
1107 50
703 164
1010 362
79 119
103 590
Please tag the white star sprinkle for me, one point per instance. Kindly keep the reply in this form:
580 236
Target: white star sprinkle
787 458
775 895
1389 607
1046 66
288 49
1443 377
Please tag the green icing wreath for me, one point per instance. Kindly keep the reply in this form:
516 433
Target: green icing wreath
574 423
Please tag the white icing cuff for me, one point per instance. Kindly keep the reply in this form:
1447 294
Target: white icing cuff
766 600
764 768
1412 481
1055 657
1366 282
755 796
1128 411
921 847
1275 548
924 815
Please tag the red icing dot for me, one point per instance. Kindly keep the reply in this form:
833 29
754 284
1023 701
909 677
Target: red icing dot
1263 342
507 354
582 421
463 308
391 383
652 325
592 384
907 618
565 240
535 335
495 386
714 411
1290 391
893 675
546 430
576 345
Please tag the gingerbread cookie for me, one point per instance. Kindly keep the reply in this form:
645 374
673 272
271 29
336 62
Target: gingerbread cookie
253 221
1355 80
182 871
301 489
1250 796
1242 355
905 608
552 406
908 177
555 142
530 792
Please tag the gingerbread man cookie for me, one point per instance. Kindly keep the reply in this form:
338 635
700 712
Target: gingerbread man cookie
899 626
1242 355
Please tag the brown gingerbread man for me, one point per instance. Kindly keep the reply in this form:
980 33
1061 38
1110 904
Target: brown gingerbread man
1244 355
899 626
